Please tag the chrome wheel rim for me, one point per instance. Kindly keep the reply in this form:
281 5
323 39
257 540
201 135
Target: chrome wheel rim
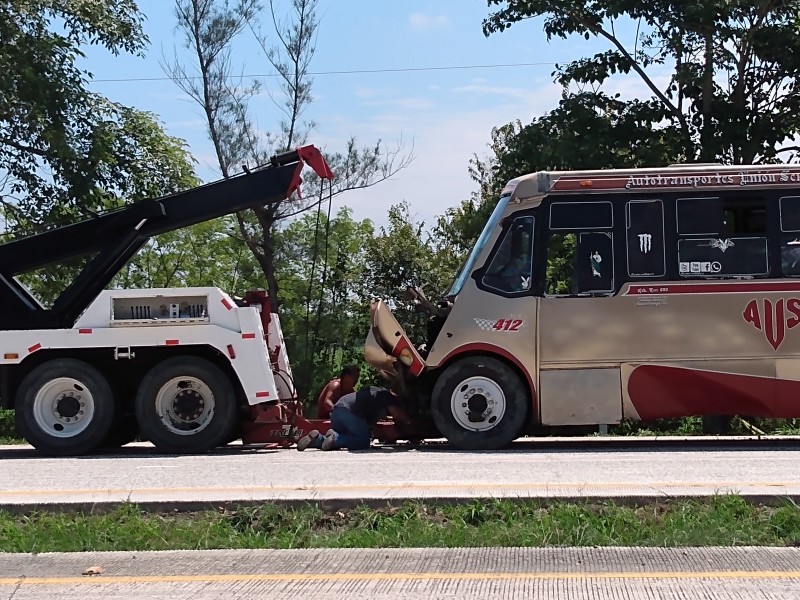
63 407
185 405
478 404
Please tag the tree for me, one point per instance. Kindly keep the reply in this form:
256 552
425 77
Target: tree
210 28
732 95
324 318
402 255
66 153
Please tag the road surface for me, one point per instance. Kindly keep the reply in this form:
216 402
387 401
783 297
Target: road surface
480 573
528 470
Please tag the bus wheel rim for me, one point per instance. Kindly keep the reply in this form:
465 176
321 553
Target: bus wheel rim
185 405
478 404
63 407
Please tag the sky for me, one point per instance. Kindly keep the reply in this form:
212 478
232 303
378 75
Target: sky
443 115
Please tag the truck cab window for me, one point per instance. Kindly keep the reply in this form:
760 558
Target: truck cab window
512 265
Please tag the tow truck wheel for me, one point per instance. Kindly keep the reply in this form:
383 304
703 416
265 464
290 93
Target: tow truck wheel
65 407
186 405
480 403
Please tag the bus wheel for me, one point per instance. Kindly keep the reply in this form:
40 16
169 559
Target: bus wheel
186 405
479 403
65 407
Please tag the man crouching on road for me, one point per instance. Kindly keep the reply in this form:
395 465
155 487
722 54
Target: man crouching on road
353 417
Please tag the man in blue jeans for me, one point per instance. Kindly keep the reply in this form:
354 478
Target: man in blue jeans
353 417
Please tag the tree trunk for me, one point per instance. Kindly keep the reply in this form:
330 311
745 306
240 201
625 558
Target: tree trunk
707 153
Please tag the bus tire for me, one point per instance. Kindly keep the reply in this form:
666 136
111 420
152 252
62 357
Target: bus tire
65 407
186 405
480 403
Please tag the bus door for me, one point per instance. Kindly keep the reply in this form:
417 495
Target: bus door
579 318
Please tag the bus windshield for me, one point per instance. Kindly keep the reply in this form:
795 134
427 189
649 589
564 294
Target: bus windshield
479 245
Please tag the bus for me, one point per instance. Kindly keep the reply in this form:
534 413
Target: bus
596 296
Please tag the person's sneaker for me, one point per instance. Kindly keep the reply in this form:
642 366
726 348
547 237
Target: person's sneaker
305 441
330 440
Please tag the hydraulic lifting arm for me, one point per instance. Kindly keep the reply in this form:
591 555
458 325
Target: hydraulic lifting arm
113 238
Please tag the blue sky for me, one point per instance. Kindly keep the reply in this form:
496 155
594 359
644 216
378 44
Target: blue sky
446 114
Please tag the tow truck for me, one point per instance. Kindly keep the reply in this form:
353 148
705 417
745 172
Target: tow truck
188 369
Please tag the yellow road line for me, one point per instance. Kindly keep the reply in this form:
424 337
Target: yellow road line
404 486
429 576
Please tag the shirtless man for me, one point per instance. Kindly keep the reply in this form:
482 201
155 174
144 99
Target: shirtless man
336 388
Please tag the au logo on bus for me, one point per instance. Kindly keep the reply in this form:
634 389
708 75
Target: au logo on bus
774 319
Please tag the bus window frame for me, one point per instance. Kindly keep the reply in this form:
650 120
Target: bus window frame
506 224
549 223
643 200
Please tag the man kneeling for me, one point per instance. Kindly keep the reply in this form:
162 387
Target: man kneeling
353 417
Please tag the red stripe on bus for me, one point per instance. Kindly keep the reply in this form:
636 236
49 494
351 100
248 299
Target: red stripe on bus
34 348
660 391
713 288
248 336
84 330
262 394
172 342
227 304
231 351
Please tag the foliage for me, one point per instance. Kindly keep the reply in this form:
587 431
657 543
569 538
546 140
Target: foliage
720 520
8 431
324 316
210 29
732 93
402 255
67 153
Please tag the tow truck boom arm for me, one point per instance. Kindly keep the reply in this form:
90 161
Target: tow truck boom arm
114 238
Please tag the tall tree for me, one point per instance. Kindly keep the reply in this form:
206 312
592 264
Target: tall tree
67 153
334 334
735 65
211 28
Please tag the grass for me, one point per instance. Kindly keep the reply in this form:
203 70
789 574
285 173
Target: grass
8 434
722 520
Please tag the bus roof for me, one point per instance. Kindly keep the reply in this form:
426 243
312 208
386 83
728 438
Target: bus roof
674 177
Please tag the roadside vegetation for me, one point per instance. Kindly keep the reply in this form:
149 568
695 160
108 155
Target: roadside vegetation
664 427
721 520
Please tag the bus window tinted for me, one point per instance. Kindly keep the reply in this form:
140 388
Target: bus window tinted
719 257
645 238
511 268
581 215
790 213
700 216
580 263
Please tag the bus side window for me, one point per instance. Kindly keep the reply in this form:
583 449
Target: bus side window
719 238
645 238
790 235
580 263
511 267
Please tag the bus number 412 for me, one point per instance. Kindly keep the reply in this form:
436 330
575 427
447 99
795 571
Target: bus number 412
507 325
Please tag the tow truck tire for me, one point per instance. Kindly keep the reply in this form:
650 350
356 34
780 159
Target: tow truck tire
186 405
65 407
486 390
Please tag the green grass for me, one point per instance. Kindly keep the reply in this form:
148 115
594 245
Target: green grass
8 433
722 520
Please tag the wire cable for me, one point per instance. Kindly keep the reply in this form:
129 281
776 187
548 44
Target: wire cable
341 72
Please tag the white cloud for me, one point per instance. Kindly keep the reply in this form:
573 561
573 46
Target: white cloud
423 22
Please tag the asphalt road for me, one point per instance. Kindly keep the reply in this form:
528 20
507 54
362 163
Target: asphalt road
583 470
480 573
